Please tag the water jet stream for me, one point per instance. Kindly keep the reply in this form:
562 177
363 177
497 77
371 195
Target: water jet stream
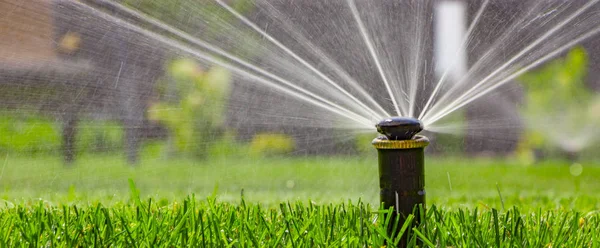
315 100
371 48
463 45
295 56
346 104
495 85
414 81
302 40
463 97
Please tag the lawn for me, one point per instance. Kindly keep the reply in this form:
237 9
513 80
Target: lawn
290 202
450 182
208 223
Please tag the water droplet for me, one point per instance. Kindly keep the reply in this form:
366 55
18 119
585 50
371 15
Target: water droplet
576 169
290 184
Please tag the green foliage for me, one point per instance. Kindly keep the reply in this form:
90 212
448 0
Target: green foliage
190 15
559 87
182 11
206 19
24 132
227 148
559 107
265 144
99 136
32 133
197 120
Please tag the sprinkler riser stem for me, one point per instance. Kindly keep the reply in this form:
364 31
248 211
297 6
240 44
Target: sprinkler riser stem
402 180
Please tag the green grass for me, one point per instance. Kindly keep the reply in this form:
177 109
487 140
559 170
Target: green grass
289 202
450 182
208 223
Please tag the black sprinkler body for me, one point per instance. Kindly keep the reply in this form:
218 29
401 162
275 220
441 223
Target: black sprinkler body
399 128
401 170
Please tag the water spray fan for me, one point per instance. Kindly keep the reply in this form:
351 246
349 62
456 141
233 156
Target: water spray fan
401 169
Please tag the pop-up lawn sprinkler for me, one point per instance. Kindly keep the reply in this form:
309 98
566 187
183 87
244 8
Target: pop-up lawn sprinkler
401 168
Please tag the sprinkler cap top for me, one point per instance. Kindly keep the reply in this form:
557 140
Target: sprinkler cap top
399 128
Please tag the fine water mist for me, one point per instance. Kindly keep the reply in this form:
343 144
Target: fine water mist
189 73
390 47
364 62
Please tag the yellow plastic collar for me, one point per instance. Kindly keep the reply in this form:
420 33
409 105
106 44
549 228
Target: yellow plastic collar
416 142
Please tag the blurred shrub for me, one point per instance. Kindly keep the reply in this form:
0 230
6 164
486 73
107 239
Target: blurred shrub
23 132
196 121
153 149
99 136
559 109
191 16
32 133
268 144
227 147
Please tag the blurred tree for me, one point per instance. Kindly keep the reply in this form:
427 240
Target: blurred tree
559 108
193 105
266 144
197 120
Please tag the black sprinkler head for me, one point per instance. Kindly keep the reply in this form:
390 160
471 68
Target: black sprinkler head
399 128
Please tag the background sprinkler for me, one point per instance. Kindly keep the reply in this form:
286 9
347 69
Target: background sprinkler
401 169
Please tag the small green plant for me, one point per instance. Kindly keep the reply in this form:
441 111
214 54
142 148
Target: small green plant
99 136
227 147
559 108
28 133
265 144
197 119
31 133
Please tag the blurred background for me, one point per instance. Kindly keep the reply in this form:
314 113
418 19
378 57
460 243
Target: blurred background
89 99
